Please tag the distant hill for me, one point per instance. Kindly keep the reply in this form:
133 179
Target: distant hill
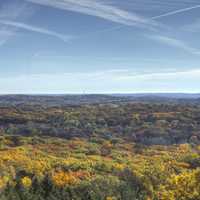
64 100
58 100
161 95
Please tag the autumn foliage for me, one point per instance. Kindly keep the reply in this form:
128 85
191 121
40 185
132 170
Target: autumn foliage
100 152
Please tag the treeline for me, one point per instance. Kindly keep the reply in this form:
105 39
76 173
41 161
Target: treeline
142 123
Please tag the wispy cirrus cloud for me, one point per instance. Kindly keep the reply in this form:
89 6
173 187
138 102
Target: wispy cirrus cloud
193 27
5 34
109 81
175 12
193 73
9 25
173 42
99 9
156 5
10 11
20 25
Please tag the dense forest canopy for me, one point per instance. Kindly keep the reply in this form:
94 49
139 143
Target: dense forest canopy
99 148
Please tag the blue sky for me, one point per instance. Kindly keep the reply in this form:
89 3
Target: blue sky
99 46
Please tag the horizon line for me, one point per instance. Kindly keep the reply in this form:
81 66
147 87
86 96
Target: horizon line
99 93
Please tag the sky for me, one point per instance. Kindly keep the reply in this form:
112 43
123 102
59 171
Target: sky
99 46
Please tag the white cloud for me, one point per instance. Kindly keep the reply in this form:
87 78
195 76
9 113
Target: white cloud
193 73
5 34
174 43
193 27
9 11
175 12
116 80
99 9
13 10
31 28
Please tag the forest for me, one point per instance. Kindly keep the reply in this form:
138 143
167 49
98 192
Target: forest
99 148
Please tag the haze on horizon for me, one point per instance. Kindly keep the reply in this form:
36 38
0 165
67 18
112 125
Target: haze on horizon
99 46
